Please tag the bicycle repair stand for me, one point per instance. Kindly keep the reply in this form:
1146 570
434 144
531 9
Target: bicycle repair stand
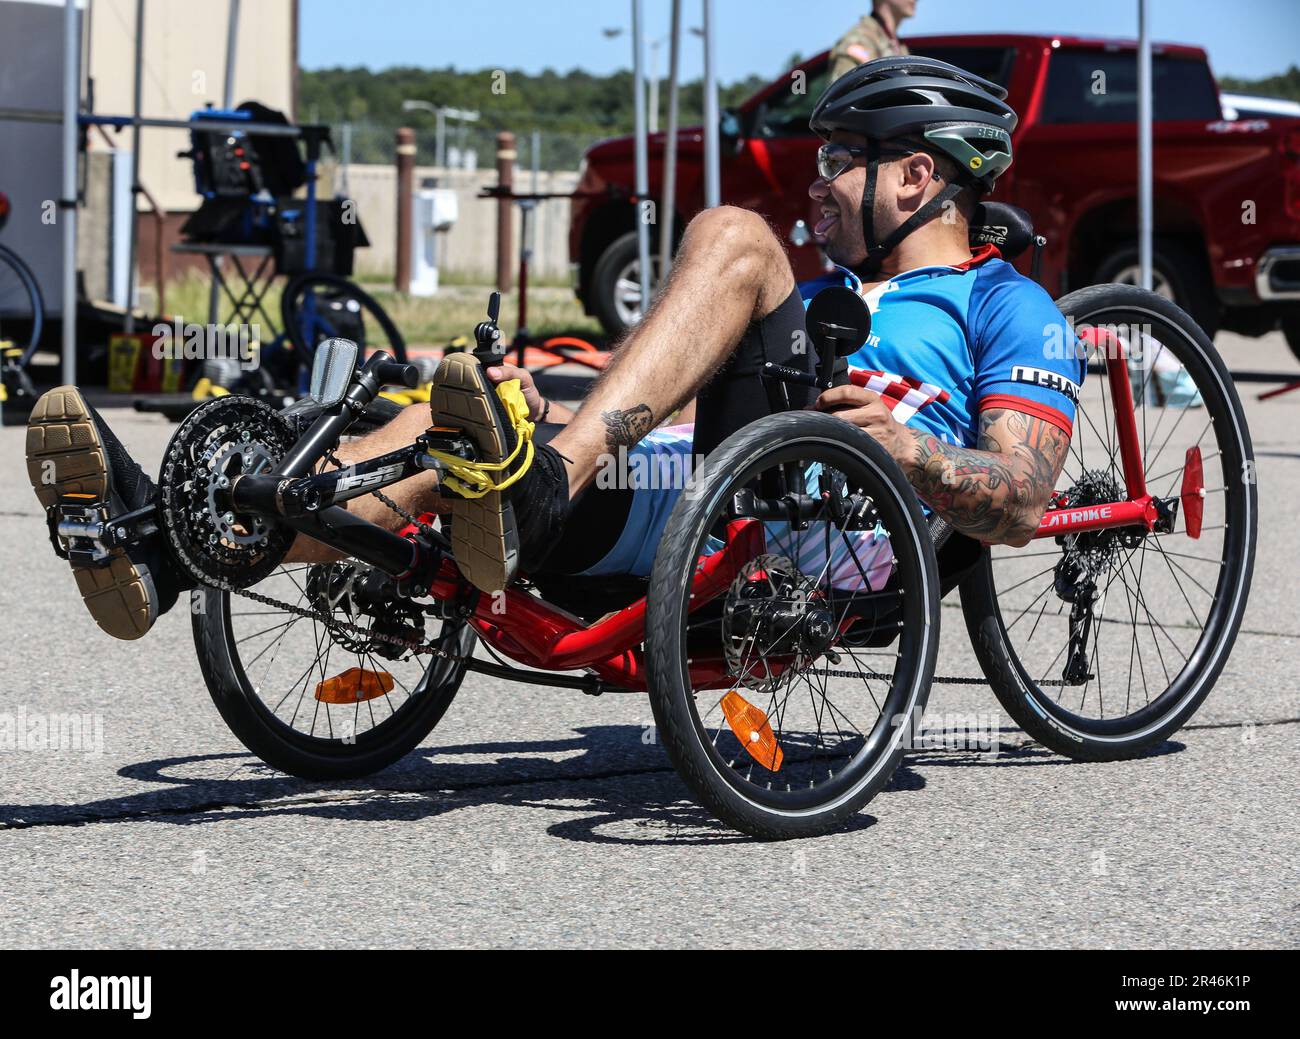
527 203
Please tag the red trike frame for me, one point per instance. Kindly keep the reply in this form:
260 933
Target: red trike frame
536 634
1139 508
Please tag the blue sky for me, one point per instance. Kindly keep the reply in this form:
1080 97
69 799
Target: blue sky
1243 38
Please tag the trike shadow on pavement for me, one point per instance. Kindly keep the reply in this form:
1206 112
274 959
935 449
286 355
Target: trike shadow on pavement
620 787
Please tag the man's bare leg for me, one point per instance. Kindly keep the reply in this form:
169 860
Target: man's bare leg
730 271
416 494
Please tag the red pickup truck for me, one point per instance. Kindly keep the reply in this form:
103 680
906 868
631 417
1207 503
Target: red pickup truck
1227 193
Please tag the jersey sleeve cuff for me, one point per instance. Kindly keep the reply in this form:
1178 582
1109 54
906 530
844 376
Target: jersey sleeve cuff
1029 407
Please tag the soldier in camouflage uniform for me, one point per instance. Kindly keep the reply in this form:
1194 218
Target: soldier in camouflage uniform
875 36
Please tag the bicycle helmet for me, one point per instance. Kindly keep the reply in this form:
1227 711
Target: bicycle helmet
955 112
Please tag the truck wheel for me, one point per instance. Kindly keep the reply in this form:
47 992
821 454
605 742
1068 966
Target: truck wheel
1177 272
616 285
1291 329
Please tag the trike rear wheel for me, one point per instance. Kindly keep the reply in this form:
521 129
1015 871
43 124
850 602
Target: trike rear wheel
785 703
1165 606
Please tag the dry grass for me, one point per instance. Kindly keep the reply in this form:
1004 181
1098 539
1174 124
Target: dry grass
425 322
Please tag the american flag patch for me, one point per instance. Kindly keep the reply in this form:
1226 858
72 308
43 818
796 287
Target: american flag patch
903 396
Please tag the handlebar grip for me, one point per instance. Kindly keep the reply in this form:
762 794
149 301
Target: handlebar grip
394 373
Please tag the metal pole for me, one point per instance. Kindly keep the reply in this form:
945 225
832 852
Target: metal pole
712 172
71 79
440 141
132 229
1145 217
347 159
232 51
405 148
531 241
642 166
669 203
654 86
227 102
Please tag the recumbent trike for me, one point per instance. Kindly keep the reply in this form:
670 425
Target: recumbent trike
787 635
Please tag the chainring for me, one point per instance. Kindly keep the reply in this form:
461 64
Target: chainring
218 441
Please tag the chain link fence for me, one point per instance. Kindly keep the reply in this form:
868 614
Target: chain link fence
465 146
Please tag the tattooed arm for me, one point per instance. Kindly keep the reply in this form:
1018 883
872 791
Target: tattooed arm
996 492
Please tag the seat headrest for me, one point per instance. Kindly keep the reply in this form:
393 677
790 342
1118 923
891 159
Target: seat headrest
1008 227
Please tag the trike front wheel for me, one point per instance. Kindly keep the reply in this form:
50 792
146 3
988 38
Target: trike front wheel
786 699
311 701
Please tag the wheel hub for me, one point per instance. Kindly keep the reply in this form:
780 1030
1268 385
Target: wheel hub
773 610
364 598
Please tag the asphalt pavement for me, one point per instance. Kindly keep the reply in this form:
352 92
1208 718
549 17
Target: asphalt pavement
538 817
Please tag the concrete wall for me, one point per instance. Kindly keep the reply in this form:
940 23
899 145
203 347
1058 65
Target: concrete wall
469 248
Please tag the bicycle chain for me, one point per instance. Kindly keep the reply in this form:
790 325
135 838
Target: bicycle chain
333 624
417 648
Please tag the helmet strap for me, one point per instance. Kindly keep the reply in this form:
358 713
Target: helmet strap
878 251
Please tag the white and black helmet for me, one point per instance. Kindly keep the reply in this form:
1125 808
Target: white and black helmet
952 111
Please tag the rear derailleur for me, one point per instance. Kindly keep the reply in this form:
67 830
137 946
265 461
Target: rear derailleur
1075 585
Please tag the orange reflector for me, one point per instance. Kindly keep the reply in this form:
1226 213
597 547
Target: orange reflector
752 729
354 686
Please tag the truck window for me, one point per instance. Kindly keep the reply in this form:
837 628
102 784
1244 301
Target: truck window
1101 87
786 114
992 63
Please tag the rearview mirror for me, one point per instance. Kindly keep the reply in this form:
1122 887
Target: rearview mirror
839 321
332 370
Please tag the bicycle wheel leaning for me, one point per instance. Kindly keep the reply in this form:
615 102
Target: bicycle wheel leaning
1103 643
22 308
785 703
315 307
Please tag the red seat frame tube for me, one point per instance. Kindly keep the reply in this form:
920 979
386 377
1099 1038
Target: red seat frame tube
1139 509
539 635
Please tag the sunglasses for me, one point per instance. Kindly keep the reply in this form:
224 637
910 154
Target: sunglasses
834 159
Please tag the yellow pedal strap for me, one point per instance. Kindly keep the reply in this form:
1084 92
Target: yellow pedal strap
471 479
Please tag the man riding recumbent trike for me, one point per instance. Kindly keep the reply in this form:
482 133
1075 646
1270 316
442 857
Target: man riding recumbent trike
916 421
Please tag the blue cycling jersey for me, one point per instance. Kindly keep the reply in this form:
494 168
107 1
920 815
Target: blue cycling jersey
946 343
949 342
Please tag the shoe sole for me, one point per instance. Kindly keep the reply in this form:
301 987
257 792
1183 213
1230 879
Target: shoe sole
66 456
484 539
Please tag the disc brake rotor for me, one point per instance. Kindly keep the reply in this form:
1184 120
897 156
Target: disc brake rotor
768 606
219 441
